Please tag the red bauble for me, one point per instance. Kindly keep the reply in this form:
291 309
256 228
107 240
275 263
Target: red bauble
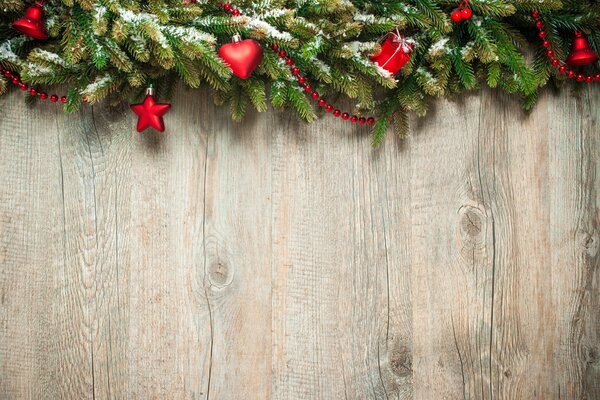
32 23
581 54
395 53
150 113
462 13
242 56
466 13
456 16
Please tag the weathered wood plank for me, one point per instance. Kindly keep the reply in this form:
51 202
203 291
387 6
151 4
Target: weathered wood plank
573 276
170 323
237 252
79 348
94 164
31 249
341 322
451 258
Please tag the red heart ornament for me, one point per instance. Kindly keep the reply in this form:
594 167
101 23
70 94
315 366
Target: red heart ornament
242 56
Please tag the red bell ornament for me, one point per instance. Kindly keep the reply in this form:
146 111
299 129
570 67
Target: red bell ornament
395 53
32 23
581 54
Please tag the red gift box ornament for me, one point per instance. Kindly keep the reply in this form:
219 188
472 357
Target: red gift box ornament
395 53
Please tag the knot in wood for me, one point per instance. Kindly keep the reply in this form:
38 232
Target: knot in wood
471 221
400 359
590 242
219 274
471 232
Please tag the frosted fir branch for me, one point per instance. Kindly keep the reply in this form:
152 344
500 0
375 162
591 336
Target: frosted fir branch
51 22
99 83
269 30
365 18
311 26
370 19
468 52
133 18
191 35
99 13
427 77
263 12
383 72
38 71
139 41
440 48
7 49
325 69
357 48
139 20
47 56
368 65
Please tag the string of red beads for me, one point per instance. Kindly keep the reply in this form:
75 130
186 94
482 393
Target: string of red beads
16 80
336 112
561 66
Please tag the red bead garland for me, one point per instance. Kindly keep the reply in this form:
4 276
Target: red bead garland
560 65
228 7
315 95
16 80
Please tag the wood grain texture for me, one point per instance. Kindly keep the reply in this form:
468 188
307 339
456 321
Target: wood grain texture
274 260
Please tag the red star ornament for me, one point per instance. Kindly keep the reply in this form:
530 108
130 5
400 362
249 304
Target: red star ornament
150 113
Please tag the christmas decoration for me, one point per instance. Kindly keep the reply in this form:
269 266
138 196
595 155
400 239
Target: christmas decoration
32 23
150 113
581 54
395 52
242 56
463 12
308 88
23 86
317 53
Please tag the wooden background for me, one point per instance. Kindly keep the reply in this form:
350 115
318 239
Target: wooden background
271 259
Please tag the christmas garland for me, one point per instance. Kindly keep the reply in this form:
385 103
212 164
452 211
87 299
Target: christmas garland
392 57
